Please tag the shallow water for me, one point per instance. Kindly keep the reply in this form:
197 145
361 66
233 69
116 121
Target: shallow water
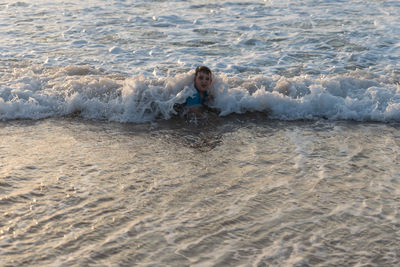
299 167
127 61
246 191
246 37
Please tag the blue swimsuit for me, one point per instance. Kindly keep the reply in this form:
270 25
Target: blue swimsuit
196 100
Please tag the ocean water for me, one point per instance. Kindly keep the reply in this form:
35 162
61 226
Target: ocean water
298 166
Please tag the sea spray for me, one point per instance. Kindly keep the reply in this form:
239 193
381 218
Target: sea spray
92 94
148 99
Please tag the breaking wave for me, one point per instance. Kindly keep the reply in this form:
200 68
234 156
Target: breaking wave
38 92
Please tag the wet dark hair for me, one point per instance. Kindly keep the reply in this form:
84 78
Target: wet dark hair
202 69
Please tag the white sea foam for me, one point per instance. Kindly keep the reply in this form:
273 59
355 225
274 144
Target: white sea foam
41 92
290 60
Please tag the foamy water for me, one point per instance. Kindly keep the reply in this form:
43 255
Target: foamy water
127 61
299 167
